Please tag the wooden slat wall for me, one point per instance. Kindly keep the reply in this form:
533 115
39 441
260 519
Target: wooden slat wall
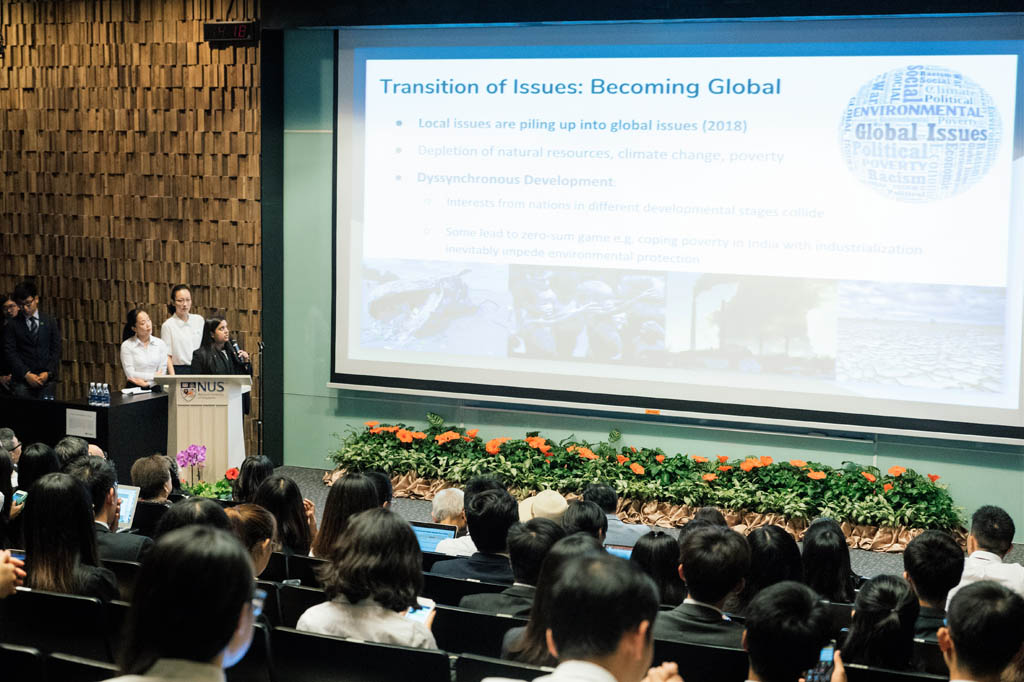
129 162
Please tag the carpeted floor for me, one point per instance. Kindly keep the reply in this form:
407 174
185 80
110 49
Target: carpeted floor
864 563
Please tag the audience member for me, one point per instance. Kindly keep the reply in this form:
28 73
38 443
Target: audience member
8 314
172 464
350 495
254 470
295 516
619 533
192 511
12 574
32 347
69 449
152 475
193 610
9 442
826 562
489 515
385 491
100 479
448 508
786 627
585 517
182 332
256 528
934 563
657 553
464 545
713 561
143 355
991 539
547 504
528 545
882 628
711 515
774 557
8 510
373 575
36 461
96 451
984 633
60 544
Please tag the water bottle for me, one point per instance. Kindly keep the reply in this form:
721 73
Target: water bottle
106 394
92 392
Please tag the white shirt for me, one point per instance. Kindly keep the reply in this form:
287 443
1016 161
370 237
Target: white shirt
982 565
176 669
366 620
570 671
144 361
182 338
463 546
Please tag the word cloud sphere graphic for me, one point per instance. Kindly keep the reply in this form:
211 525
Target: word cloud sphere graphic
920 133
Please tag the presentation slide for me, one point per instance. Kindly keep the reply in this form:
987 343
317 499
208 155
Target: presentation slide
828 225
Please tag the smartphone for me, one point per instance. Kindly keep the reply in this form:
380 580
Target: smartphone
420 613
822 672
19 496
17 554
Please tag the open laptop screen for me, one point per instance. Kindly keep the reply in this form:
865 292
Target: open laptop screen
429 534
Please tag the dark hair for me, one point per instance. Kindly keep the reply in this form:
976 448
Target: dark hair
532 647
280 496
252 524
711 515
383 484
6 469
128 331
192 511
58 532
36 461
715 560
993 529
98 475
986 624
657 553
603 495
150 474
24 289
377 556
174 292
528 544
70 448
186 567
882 628
489 515
934 562
826 560
786 626
595 601
254 470
585 517
209 327
348 496
483 482
774 557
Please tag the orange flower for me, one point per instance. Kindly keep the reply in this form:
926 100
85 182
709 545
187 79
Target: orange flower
390 429
231 474
709 477
725 467
447 436
494 444
816 475
536 442
749 464
622 459
377 430
722 459
933 477
659 458
371 423
472 433
546 449
868 475
404 436
418 435
798 463
897 471
699 460
587 453
636 469
766 460
633 449
887 487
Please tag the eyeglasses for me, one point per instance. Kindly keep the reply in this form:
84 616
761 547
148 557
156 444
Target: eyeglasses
258 597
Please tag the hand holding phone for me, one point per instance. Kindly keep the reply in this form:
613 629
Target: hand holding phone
424 613
822 672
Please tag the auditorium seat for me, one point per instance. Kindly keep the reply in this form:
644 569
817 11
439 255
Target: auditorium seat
840 613
473 668
303 569
147 516
431 558
294 600
277 568
77 669
272 602
126 572
703 662
466 631
21 663
863 673
928 657
319 658
445 590
53 622
255 665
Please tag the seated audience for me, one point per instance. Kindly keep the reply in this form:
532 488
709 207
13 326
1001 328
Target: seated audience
984 632
192 511
193 611
528 644
385 490
8 510
349 495
933 564
489 515
70 448
774 557
256 528
373 576
619 533
448 508
657 553
12 574
585 517
9 442
786 627
547 504
713 561
464 545
295 516
143 355
152 475
254 470
100 479
711 515
826 561
990 540
36 461
528 545
172 464
882 628
60 544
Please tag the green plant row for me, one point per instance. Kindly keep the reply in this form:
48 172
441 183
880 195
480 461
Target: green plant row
796 489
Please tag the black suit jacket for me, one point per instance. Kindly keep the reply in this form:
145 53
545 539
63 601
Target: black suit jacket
514 601
929 620
120 546
26 355
492 568
699 625
203 363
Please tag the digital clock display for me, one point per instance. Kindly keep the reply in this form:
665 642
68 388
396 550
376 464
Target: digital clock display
231 31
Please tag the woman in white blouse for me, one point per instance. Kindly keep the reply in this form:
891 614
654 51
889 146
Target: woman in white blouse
143 355
182 331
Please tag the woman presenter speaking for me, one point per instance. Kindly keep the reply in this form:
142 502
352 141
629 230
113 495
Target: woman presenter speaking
218 354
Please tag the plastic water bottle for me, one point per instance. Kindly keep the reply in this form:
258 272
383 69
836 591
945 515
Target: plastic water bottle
92 392
106 394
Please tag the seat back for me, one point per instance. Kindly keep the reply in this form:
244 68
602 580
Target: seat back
473 668
431 558
841 615
51 622
147 516
277 568
303 569
126 572
255 665
928 657
295 600
864 673
703 662
77 669
445 590
466 631
319 658
272 603
22 663
117 617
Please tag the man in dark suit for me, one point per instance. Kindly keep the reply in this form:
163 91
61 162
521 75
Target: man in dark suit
32 347
713 563
934 563
100 478
489 515
787 625
528 544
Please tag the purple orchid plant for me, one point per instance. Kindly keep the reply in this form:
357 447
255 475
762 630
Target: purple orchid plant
192 457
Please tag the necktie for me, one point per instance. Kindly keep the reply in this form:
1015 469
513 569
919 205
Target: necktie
33 326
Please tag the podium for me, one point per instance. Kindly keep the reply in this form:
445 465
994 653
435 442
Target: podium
207 410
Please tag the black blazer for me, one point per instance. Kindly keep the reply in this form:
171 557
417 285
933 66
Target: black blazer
25 355
513 601
203 361
120 546
698 625
492 568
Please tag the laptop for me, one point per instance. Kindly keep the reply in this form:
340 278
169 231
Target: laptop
129 496
623 551
429 534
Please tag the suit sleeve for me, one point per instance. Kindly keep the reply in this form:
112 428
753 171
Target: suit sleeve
198 362
18 367
53 366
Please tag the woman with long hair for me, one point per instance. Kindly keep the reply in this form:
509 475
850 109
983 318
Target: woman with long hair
7 507
60 543
182 332
348 496
254 470
36 461
256 528
143 355
216 354
882 628
295 516
826 562
657 553
774 557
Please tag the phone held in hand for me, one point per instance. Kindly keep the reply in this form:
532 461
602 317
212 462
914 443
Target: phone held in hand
822 672
19 496
422 612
